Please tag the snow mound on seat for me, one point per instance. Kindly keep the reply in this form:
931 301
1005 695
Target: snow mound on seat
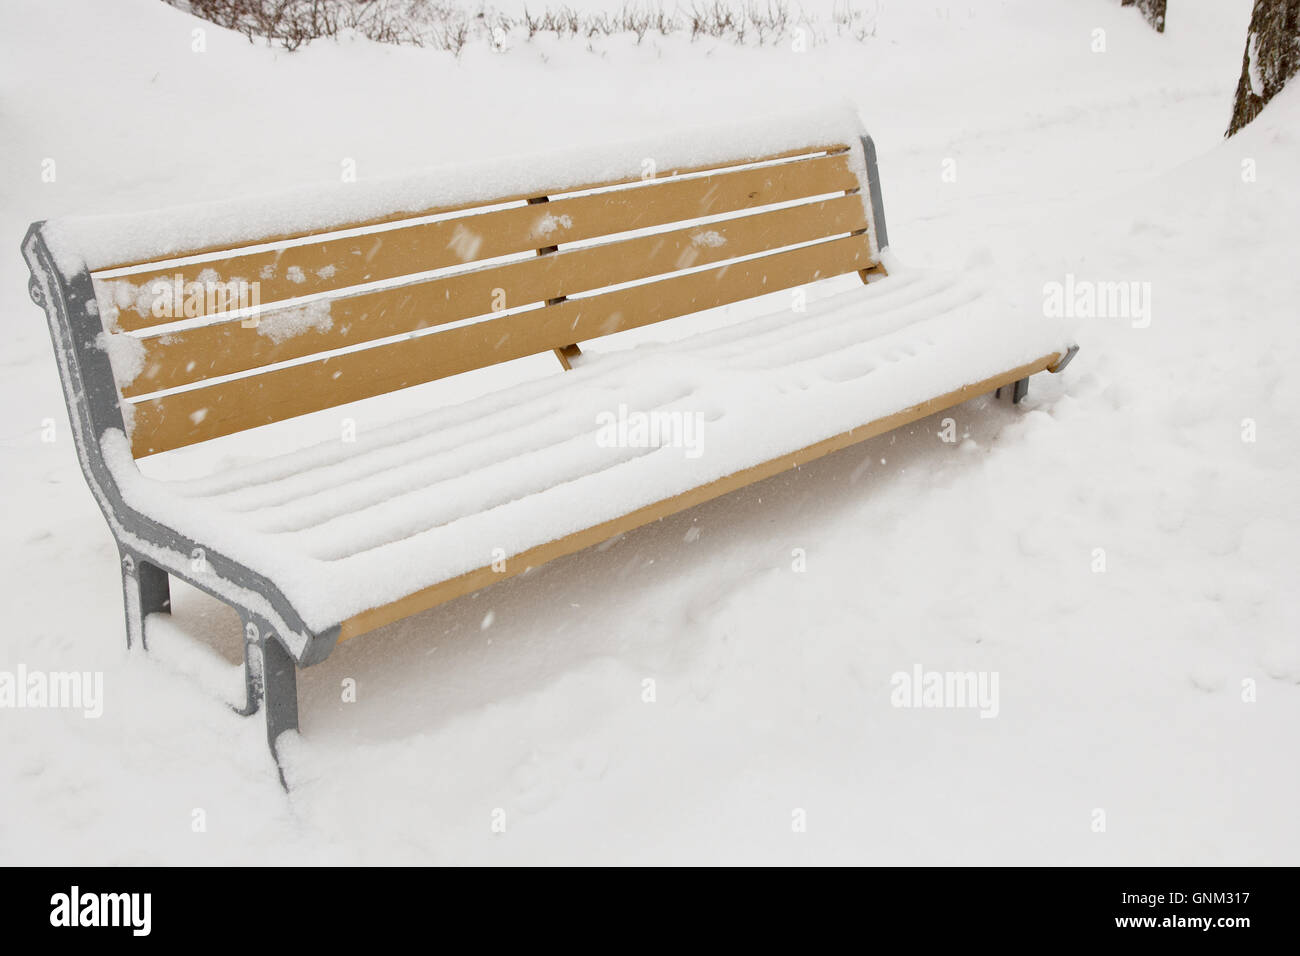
342 528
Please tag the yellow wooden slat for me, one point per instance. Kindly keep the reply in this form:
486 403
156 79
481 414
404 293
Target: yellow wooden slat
185 357
484 576
338 263
184 418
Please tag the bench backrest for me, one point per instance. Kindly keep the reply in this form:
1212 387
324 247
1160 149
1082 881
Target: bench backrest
225 341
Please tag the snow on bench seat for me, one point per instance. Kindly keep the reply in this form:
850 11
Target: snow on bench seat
345 527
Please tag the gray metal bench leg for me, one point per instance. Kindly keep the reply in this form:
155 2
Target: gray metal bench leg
1019 389
271 683
145 590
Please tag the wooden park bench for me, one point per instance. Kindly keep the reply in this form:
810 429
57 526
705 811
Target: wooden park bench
177 327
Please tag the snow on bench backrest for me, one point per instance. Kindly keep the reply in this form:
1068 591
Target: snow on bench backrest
223 318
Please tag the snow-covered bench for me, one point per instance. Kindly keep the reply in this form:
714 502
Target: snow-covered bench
366 289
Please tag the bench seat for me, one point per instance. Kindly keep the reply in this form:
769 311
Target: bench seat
414 513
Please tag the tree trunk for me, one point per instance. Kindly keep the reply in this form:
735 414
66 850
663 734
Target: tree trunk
1153 11
1271 58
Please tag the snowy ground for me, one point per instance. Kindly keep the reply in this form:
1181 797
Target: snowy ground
1120 691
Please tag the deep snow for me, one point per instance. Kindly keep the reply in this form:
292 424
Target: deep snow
1119 691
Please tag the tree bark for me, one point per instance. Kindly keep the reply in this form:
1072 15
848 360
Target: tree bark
1153 11
1271 58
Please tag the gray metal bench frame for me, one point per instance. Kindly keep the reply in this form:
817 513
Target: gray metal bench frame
150 551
